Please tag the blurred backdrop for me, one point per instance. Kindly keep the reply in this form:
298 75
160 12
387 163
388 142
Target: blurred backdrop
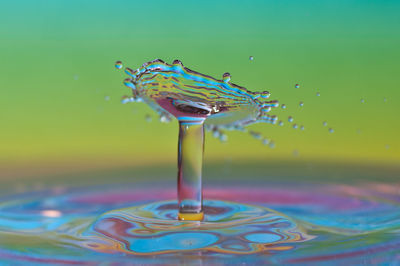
60 93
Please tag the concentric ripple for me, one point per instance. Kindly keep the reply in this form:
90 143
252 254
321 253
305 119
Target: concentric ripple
229 228
304 223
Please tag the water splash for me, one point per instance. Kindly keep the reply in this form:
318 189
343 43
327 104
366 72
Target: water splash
174 90
197 101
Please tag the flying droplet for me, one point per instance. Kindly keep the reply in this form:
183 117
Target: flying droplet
362 101
297 86
255 135
301 104
331 130
295 126
226 77
118 65
302 127
164 118
290 119
265 141
324 123
148 118
280 123
107 98
223 137
318 94
385 99
177 62
271 144
251 58
283 106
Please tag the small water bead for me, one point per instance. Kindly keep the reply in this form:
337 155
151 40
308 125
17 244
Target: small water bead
331 130
387 146
265 141
223 137
118 65
280 123
385 99
226 77
107 98
283 106
255 135
295 153
148 118
324 123
362 101
301 104
271 144
165 118
302 127
295 126
290 119
318 94
297 86
251 58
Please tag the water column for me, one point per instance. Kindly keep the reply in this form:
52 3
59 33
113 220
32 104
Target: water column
190 161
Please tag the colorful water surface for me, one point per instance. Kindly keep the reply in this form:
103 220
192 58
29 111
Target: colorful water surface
342 224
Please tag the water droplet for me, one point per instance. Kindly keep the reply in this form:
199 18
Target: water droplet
295 126
215 133
385 99
358 131
318 94
362 101
295 153
164 118
251 58
148 118
223 137
107 98
301 104
265 94
324 123
387 146
226 77
272 144
76 77
118 65
280 123
283 106
290 119
255 135
297 86
265 141
177 62
331 130
302 127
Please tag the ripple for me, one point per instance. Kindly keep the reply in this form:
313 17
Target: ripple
352 224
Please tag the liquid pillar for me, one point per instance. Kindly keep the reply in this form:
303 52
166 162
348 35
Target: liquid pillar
190 160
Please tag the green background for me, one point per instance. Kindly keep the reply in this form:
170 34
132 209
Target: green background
57 69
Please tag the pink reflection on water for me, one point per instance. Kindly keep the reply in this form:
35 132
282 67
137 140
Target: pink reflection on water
338 197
